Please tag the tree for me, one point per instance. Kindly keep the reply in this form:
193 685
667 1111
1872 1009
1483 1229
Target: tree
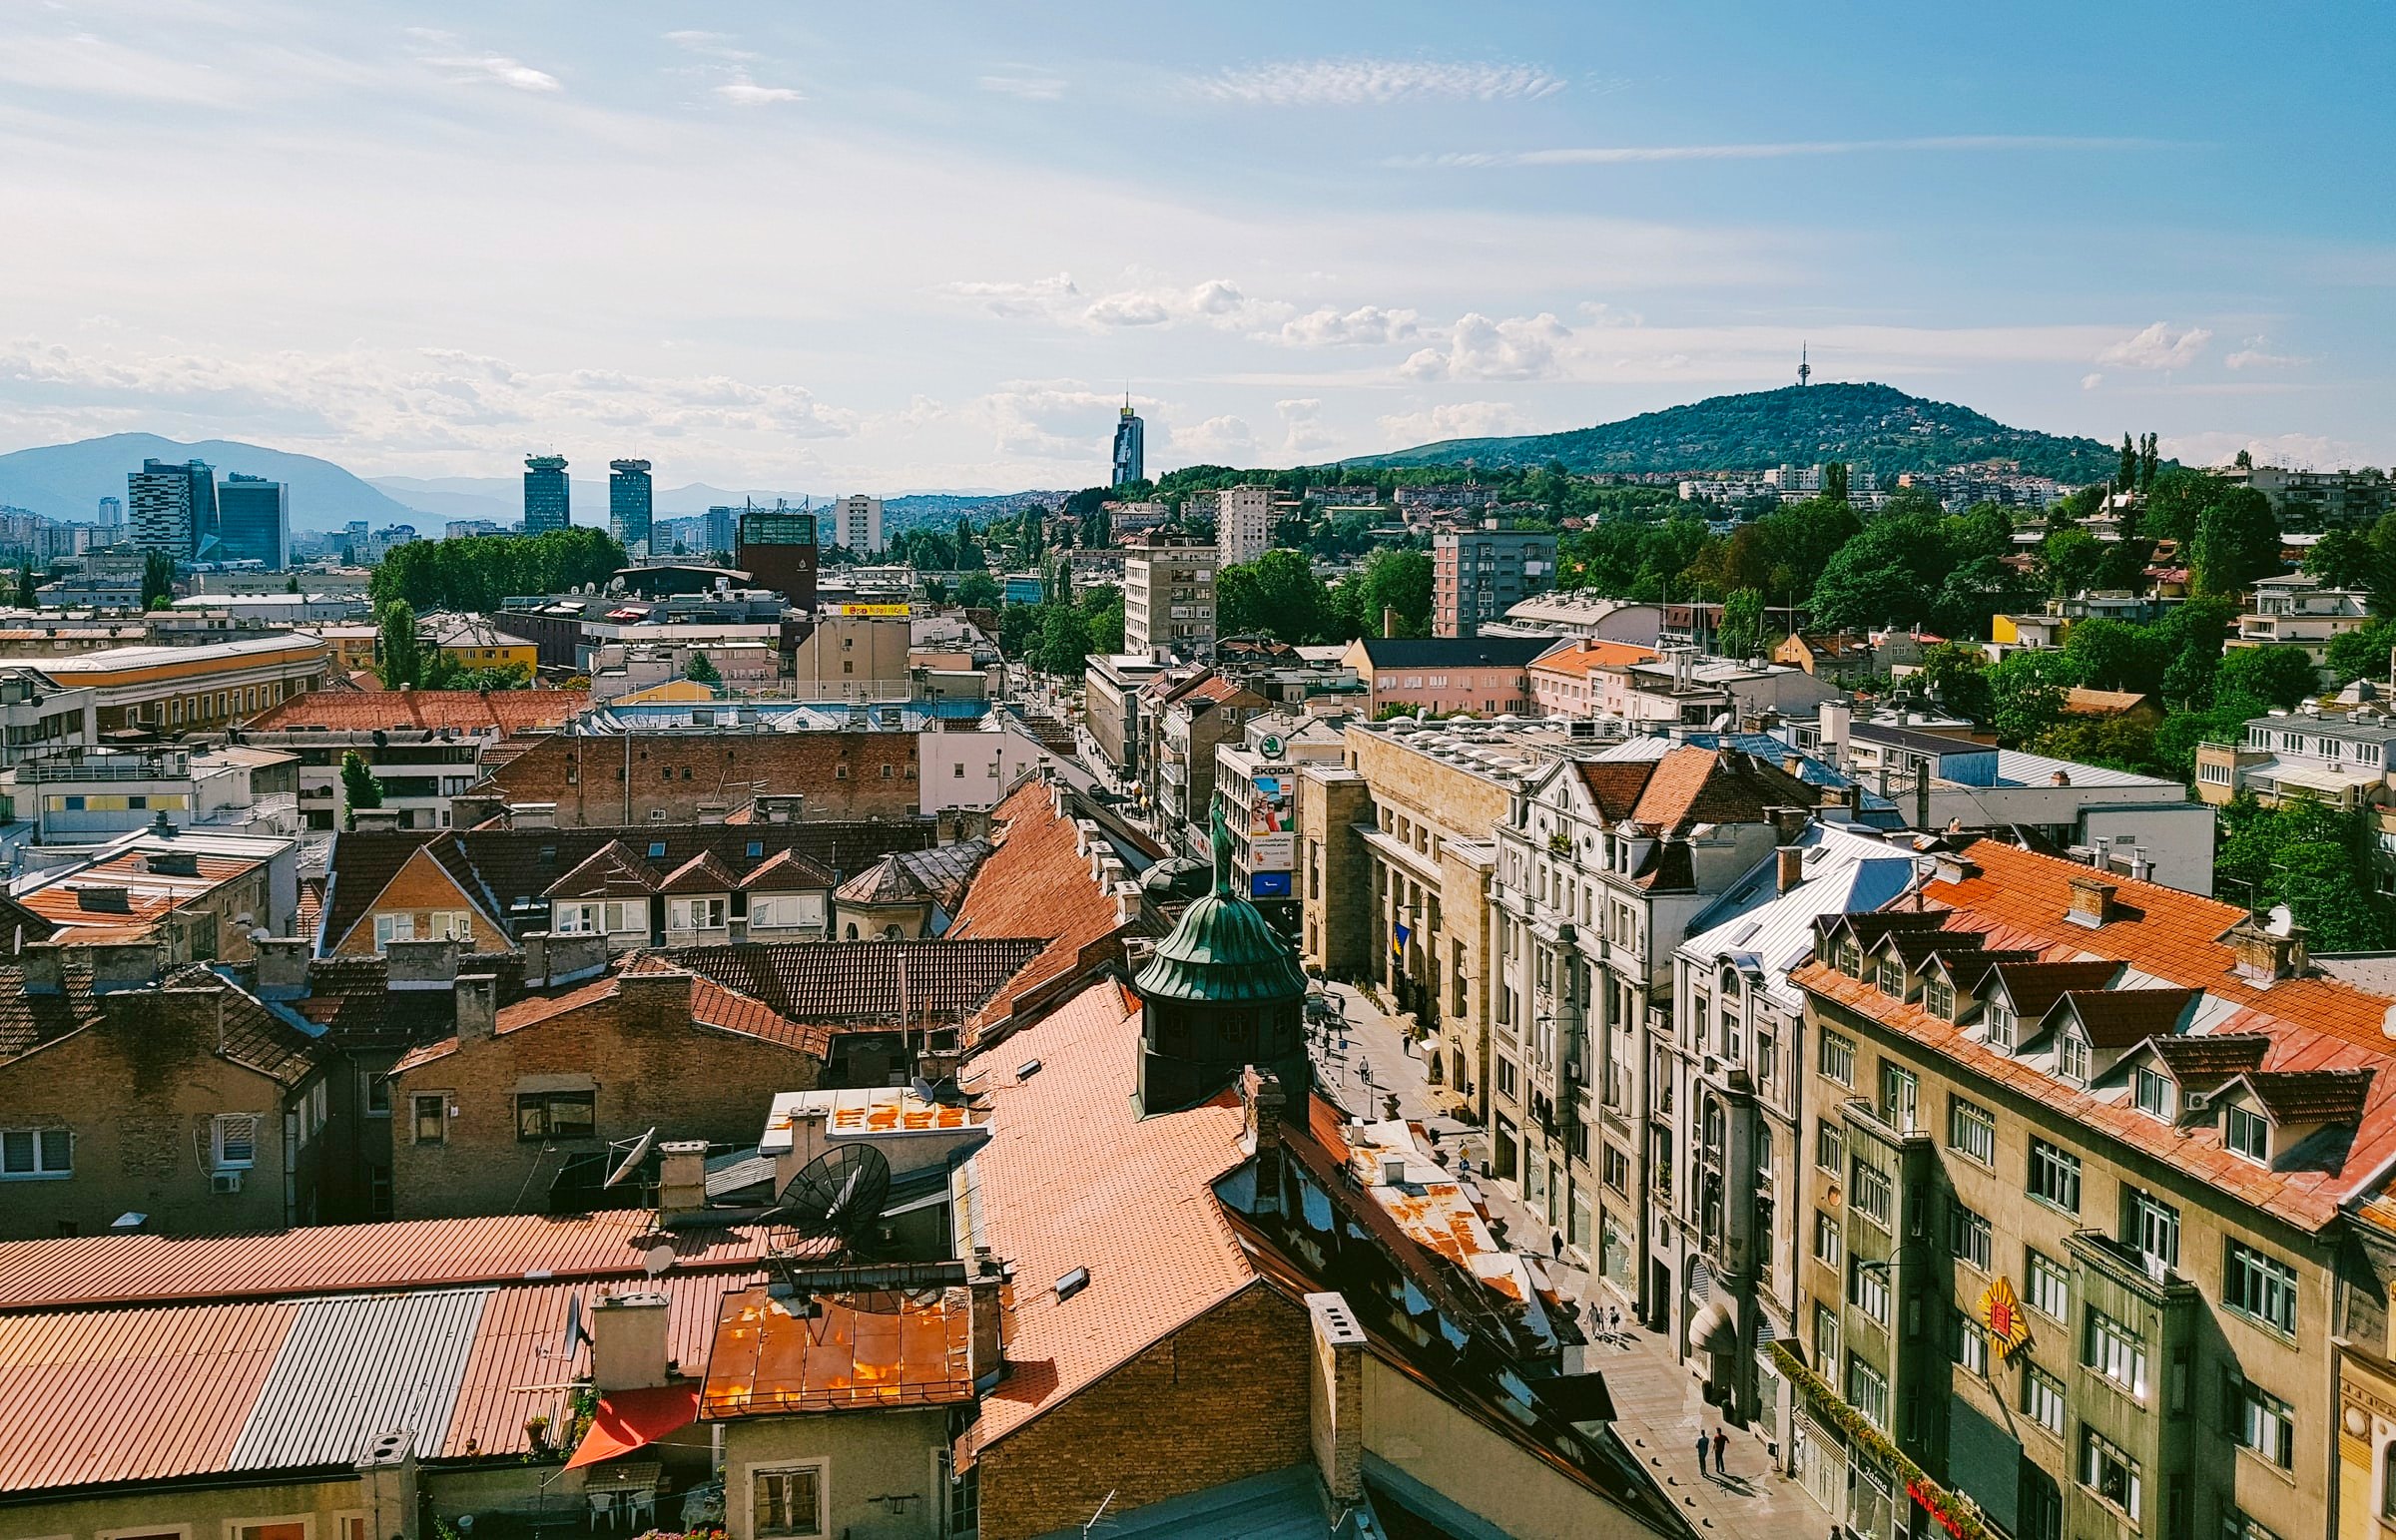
2237 541
977 590
2275 675
1742 634
399 655
360 789
1278 595
158 580
701 670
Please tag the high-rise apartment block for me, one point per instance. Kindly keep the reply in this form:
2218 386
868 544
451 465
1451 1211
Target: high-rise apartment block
858 521
174 507
1131 452
628 505
1243 523
1169 599
548 500
253 521
777 547
1477 574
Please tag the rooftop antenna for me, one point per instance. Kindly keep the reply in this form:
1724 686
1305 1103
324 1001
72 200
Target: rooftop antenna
1805 371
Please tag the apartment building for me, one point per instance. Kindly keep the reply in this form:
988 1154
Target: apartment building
2085 1157
1476 575
1169 599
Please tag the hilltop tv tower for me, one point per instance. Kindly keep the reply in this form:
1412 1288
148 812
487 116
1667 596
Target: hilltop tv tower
1805 371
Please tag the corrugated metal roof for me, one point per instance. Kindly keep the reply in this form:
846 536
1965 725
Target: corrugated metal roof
92 1397
349 1258
354 1368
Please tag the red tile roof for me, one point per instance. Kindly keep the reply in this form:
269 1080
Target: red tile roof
459 711
1074 1177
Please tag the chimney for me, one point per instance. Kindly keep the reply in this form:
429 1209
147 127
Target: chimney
984 1295
44 963
1336 1398
2264 955
628 1342
682 1176
477 1006
1389 621
1791 868
127 965
282 967
421 964
2091 902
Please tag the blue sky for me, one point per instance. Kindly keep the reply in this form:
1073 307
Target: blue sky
888 247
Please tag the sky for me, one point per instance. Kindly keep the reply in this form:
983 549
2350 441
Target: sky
898 247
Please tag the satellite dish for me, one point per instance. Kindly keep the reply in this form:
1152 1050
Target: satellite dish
838 1195
657 1260
632 1161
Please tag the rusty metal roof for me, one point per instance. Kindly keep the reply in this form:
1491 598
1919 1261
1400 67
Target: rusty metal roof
840 1353
351 1258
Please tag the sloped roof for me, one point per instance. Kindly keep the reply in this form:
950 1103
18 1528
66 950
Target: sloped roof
424 711
841 981
1160 1250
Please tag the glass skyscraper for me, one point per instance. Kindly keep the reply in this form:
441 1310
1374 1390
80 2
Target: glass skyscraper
548 502
628 505
1131 459
253 521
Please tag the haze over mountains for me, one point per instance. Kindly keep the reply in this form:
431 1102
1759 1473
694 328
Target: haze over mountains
1864 424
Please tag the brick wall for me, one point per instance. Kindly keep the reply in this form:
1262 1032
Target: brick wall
696 774
638 1050
1222 1400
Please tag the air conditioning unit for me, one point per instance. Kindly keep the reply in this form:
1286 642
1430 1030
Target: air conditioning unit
225 1181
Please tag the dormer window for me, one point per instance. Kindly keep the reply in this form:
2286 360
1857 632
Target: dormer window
2071 1057
1892 978
2151 1092
2247 1133
2004 1027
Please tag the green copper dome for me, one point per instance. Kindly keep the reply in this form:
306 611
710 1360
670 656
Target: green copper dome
1224 951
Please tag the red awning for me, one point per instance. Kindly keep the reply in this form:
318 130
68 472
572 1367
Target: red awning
627 1419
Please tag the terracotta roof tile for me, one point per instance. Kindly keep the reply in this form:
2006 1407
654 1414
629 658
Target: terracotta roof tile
1142 1218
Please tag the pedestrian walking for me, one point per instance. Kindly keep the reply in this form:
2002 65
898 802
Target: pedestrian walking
1721 1442
1703 1443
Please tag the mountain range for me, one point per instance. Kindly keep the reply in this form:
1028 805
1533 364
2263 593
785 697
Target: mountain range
67 481
1877 426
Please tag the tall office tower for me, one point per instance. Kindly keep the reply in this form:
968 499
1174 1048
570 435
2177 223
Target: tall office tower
778 550
174 507
628 505
253 521
111 515
1244 523
1131 459
858 521
548 502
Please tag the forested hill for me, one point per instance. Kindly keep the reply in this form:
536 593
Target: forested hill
1876 426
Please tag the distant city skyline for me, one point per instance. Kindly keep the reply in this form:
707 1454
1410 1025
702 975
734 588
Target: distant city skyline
1305 235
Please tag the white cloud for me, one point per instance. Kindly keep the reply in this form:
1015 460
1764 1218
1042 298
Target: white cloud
2301 451
1481 348
496 69
1633 154
1332 328
2157 347
1375 83
1453 419
2090 381
741 91
710 45
1226 439
1030 85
